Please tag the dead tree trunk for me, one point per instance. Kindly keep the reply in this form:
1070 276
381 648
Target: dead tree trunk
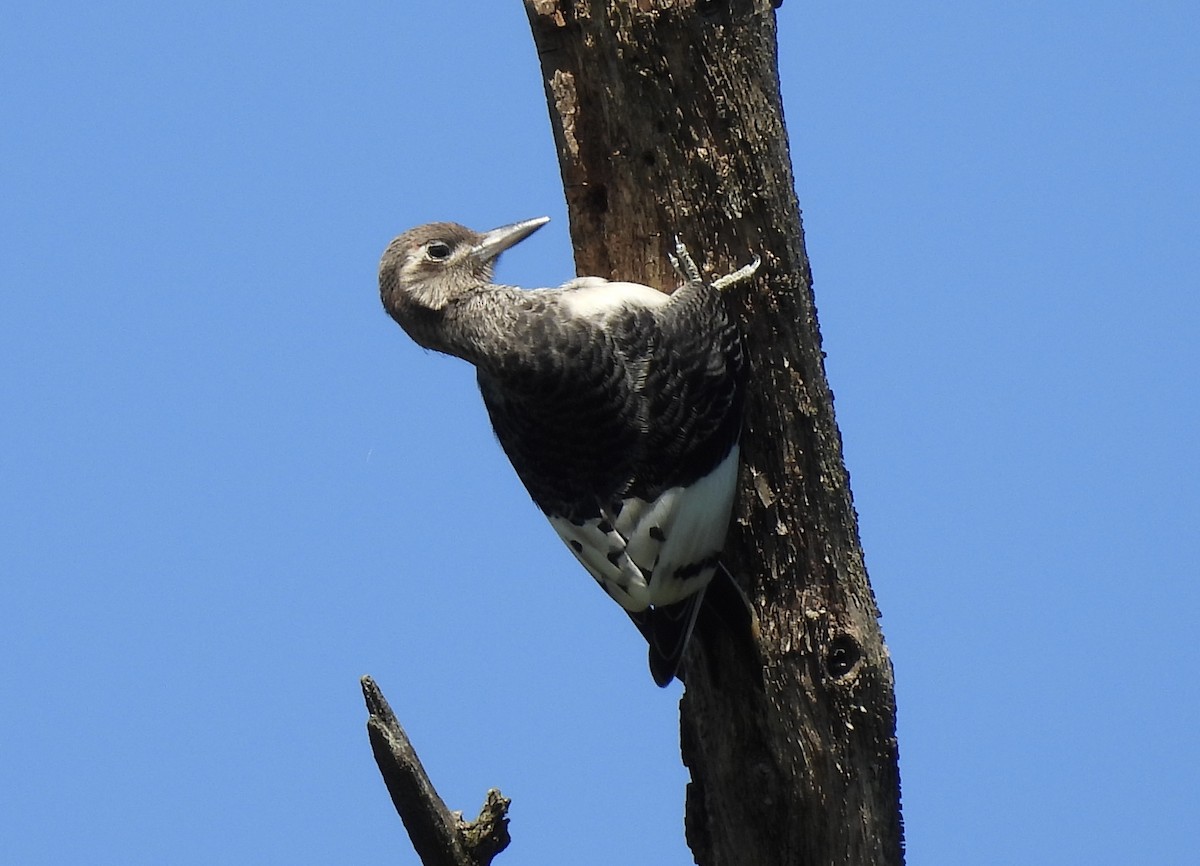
667 118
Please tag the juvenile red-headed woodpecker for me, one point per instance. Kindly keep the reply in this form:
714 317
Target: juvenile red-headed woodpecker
619 406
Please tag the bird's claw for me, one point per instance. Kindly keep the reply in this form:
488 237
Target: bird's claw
685 267
683 263
742 274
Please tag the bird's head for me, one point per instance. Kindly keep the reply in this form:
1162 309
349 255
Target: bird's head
425 269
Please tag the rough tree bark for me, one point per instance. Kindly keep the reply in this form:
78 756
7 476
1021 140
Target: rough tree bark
439 836
667 118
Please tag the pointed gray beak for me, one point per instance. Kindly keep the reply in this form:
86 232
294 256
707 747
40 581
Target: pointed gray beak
498 240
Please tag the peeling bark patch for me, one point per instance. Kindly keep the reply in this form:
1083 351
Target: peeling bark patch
562 86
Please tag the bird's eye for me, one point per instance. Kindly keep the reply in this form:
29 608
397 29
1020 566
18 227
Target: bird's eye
439 251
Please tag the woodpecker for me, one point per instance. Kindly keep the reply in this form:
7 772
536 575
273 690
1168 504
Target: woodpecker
619 407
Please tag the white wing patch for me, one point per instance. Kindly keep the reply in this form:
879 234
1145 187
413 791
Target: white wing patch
596 298
660 552
602 553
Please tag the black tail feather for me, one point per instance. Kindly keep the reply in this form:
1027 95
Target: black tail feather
728 602
667 630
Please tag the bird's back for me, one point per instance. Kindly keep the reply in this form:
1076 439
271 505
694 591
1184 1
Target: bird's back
621 420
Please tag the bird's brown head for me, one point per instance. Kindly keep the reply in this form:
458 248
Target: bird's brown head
426 269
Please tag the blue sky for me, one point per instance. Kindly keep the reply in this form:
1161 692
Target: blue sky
230 485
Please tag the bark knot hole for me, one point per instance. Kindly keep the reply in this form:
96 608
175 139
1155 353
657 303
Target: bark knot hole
844 654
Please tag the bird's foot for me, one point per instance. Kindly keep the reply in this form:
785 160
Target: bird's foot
685 267
742 274
683 263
